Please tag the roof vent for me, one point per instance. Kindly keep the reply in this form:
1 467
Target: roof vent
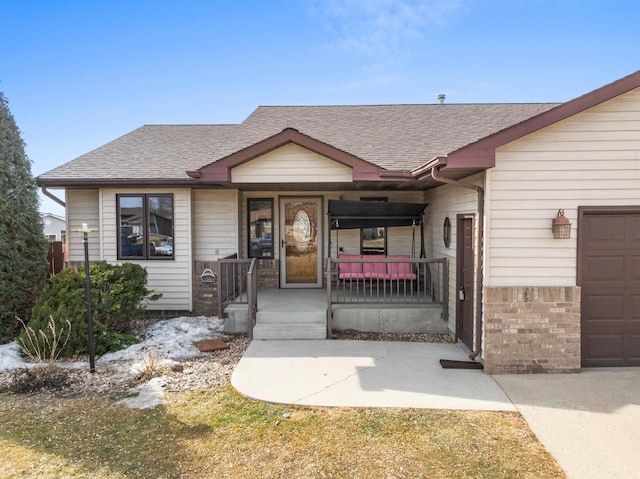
441 97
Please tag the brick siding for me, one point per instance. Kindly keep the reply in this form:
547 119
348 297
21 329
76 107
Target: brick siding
532 330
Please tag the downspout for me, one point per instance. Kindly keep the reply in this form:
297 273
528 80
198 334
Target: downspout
48 194
435 174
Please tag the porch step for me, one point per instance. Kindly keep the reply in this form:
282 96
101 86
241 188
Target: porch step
290 325
301 317
289 331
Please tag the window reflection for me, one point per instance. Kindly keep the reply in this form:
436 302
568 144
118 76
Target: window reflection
260 213
145 226
160 221
373 240
131 227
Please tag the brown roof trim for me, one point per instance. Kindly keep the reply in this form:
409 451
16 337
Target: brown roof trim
106 183
220 171
425 169
482 153
396 175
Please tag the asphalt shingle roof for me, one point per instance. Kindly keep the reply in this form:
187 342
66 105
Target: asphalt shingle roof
395 137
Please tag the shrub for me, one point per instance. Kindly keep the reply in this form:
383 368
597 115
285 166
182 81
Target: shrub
117 295
120 293
28 380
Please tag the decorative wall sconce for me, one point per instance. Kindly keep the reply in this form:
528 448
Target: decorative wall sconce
446 232
561 226
208 276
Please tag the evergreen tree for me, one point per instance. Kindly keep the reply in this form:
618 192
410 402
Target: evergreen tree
23 248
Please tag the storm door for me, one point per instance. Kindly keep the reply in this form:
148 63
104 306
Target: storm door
300 242
465 280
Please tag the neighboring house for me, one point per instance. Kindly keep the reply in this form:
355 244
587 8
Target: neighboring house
54 227
494 177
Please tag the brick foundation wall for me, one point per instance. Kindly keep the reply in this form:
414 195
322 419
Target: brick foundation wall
532 330
205 294
268 274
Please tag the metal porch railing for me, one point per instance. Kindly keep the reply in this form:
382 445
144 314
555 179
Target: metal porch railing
238 284
416 281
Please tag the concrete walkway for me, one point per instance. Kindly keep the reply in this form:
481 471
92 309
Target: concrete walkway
364 374
589 422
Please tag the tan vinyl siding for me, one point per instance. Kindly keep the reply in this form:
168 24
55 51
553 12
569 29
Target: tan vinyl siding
291 164
590 159
215 224
450 201
82 207
172 278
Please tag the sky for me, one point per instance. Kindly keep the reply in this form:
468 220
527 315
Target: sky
78 74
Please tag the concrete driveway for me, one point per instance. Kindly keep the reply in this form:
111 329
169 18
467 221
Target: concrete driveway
589 422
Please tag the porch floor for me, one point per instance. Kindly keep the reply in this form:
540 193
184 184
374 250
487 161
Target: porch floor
292 300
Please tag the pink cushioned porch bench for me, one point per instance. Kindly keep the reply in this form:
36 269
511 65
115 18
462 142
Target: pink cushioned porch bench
380 269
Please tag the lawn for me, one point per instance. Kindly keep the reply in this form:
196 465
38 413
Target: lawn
219 433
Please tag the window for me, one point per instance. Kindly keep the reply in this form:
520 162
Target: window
373 240
145 226
260 219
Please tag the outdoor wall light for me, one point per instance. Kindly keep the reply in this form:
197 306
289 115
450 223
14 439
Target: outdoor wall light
561 226
85 230
208 276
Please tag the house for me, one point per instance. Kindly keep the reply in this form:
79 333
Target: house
495 178
54 227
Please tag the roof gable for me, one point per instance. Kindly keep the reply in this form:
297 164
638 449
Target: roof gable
484 150
220 171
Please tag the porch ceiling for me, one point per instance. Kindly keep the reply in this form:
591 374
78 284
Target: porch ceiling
400 181
368 214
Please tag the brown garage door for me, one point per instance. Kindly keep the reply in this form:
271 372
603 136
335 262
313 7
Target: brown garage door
609 261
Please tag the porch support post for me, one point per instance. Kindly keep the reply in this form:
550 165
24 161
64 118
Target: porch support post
329 302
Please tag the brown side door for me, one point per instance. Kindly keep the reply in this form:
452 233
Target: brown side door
464 281
609 274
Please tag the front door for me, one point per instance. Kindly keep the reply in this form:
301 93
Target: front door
301 242
465 274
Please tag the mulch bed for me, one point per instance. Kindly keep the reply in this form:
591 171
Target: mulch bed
353 335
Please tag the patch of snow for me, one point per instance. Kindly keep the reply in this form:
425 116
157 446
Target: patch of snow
163 343
10 357
147 395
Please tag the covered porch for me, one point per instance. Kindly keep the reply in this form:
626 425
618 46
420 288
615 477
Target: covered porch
417 305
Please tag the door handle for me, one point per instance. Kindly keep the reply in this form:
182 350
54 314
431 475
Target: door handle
461 293
282 243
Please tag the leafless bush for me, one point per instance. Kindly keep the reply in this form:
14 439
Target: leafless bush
41 347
